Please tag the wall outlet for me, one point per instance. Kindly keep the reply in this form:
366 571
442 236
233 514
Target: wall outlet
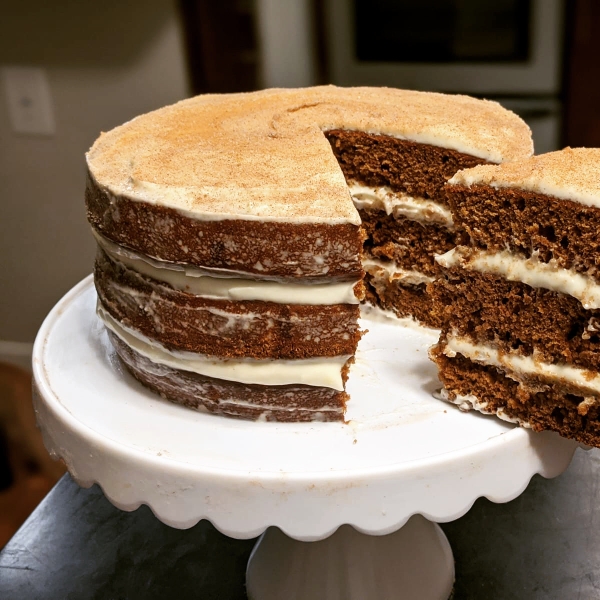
29 100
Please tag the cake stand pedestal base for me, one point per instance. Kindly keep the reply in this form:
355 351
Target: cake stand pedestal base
413 563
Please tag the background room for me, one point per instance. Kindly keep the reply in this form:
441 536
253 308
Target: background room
72 69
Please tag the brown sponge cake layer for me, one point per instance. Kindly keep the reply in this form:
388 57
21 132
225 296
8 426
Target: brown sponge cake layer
540 405
526 223
417 169
307 250
517 318
404 301
247 401
253 329
411 244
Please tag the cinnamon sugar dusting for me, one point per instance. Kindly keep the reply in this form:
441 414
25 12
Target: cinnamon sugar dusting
570 174
263 155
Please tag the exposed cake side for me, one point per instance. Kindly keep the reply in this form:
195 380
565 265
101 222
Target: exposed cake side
196 321
521 303
292 402
247 248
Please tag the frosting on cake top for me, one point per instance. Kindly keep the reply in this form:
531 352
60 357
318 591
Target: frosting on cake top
262 155
571 174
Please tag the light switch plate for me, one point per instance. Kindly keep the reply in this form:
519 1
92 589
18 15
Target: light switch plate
29 100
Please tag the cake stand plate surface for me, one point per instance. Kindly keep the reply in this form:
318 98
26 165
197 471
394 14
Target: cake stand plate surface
402 452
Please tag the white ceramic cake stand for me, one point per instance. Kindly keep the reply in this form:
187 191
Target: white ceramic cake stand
401 453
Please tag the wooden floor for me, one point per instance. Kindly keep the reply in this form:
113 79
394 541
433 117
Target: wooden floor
27 473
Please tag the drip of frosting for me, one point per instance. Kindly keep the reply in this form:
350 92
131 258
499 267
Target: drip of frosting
196 281
399 203
530 271
319 372
521 365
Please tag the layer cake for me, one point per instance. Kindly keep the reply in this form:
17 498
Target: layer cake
521 302
230 261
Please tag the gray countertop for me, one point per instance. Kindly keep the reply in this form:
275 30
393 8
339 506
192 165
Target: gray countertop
544 545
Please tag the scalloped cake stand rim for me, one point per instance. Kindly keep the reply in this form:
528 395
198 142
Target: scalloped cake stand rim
79 391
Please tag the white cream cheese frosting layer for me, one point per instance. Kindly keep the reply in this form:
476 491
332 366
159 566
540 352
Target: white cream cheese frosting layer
263 155
570 174
530 271
469 402
390 271
196 281
522 365
399 203
321 372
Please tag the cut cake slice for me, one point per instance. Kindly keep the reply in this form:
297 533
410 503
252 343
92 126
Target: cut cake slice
521 302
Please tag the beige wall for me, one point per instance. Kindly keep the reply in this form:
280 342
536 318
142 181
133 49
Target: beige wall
106 62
